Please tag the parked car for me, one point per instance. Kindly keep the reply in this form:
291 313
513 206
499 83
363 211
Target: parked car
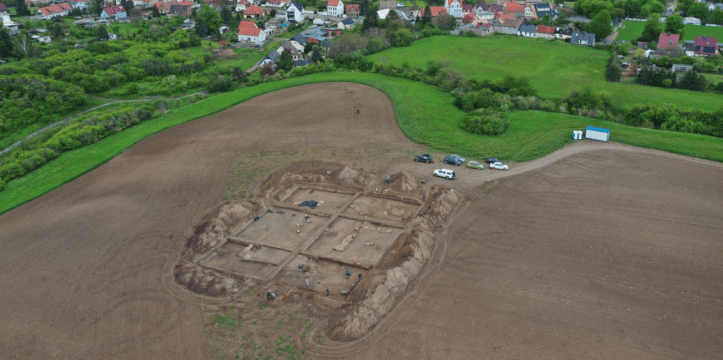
492 160
425 158
453 160
459 157
499 166
475 165
445 173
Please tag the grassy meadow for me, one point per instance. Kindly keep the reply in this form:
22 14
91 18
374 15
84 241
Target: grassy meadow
633 29
554 68
425 114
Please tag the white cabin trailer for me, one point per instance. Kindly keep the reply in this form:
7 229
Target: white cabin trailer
596 133
577 134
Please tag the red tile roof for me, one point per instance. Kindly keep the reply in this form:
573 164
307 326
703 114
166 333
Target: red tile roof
546 29
54 9
248 31
253 10
513 7
247 24
114 9
3 7
468 18
705 41
350 7
504 17
449 2
668 40
333 3
436 10
163 5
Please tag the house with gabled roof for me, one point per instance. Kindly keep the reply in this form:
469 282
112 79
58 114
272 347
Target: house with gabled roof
335 8
295 12
545 32
668 41
78 4
469 18
114 12
250 34
435 10
253 12
346 24
301 39
583 38
527 30
180 10
454 7
242 5
705 46
512 7
352 10
49 12
543 9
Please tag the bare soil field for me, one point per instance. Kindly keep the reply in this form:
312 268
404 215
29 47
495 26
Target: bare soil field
613 253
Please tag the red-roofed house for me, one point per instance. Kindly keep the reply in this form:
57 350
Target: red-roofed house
705 45
543 31
512 7
468 18
668 40
278 3
503 17
115 11
253 12
52 11
466 9
352 10
249 33
335 8
436 10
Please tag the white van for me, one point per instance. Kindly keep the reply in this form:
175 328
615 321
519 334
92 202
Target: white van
445 173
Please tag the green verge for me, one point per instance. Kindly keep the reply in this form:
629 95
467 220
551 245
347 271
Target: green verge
554 68
633 30
425 114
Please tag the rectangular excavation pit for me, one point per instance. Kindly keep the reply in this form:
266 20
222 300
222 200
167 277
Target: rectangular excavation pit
257 262
281 229
366 248
382 209
332 201
322 275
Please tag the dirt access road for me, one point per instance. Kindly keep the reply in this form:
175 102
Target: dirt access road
86 269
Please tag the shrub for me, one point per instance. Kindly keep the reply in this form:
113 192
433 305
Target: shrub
485 122
220 84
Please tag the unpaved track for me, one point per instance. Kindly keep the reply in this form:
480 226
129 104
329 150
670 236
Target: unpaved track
85 270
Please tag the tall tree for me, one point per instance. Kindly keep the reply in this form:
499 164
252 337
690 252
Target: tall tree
285 62
699 10
392 16
716 16
57 32
6 43
652 28
211 18
128 5
674 25
227 16
427 16
684 4
316 55
102 33
201 28
21 8
364 7
600 25
372 20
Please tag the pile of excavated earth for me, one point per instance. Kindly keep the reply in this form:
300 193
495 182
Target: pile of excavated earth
333 237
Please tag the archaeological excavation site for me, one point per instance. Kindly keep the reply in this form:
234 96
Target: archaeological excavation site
337 238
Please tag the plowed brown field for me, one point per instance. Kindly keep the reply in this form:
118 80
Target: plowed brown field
605 254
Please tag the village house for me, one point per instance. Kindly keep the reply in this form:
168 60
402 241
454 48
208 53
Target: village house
113 12
512 7
530 12
295 12
384 13
507 27
295 53
454 7
335 8
705 46
487 11
543 9
436 11
467 9
545 32
181 10
242 5
249 32
346 24
78 4
469 18
253 12
387 4
668 41
352 10
277 3
49 12
583 38
527 30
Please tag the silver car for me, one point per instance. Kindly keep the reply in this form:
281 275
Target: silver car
499 166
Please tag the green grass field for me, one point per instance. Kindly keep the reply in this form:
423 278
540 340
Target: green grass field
425 114
633 30
554 68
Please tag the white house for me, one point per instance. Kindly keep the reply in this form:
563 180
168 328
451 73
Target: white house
114 12
251 34
454 8
78 4
295 12
49 12
346 24
335 8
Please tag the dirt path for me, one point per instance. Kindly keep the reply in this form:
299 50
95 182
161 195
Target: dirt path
86 269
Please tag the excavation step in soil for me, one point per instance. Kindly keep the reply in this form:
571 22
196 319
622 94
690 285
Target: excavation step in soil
338 238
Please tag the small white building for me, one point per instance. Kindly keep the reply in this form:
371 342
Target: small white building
691 21
335 8
454 8
251 34
596 133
